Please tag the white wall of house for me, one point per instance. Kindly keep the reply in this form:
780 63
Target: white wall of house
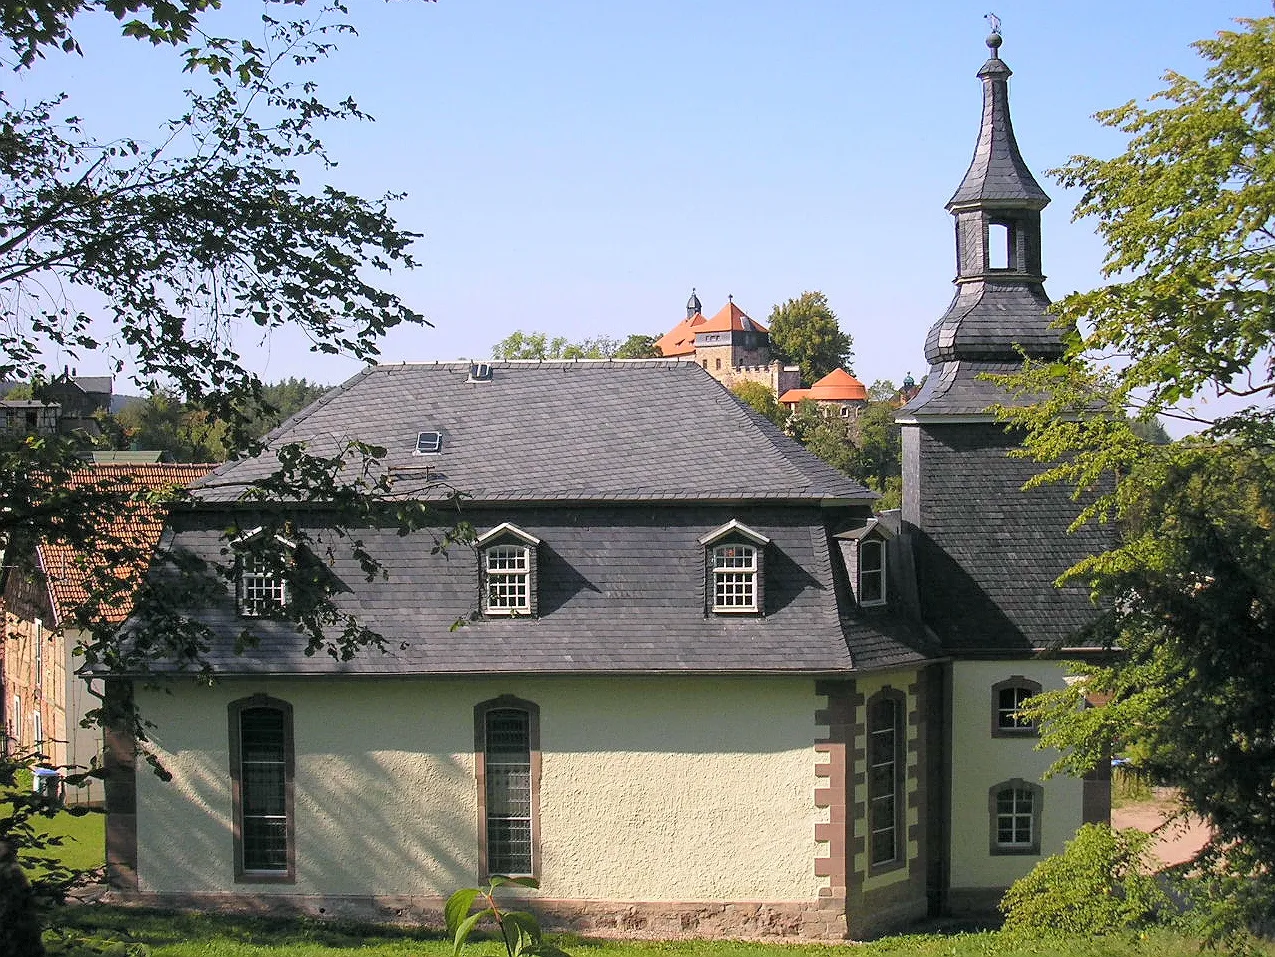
653 789
980 761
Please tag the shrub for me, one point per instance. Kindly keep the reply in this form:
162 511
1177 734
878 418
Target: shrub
1101 882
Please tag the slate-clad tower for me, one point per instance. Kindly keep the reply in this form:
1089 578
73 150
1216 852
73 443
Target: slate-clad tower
988 552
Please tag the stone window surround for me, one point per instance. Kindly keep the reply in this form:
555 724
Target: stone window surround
501 703
900 778
995 848
234 711
1013 681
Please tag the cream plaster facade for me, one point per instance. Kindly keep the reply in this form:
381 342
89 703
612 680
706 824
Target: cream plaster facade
652 789
980 761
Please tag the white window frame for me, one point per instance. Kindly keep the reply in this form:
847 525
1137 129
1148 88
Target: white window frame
1025 807
262 590
727 576
735 571
507 569
503 578
867 574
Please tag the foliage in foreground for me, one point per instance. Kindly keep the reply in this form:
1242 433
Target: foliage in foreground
1189 593
206 935
1102 882
519 930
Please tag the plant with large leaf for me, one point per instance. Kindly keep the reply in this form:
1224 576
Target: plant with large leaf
519 930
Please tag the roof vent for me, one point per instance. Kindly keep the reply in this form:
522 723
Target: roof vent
429 443
479 372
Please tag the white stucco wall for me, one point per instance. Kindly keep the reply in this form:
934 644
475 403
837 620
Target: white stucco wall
673 789
980 761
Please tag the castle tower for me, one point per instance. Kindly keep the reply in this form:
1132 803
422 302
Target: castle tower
987 552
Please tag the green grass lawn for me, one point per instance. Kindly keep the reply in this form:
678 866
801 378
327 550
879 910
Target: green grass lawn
83 838
170 935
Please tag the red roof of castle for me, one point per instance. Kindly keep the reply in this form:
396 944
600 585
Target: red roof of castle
680 340
837 386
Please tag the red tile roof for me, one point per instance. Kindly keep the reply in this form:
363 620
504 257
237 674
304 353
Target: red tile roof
138 525
837 386
680 340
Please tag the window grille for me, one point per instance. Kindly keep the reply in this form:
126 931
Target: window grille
884 734
262 589
1009 701
508 569
263 789
507 763
1015 817
734 578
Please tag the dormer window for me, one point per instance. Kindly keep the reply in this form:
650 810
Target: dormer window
872 572
735 556
864 552
507 560
262 579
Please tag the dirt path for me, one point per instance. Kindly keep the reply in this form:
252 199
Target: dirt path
1176 842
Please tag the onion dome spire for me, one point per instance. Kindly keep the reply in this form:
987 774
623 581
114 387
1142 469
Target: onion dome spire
693 305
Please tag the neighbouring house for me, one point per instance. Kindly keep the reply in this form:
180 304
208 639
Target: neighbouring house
701 687
44 697
731 346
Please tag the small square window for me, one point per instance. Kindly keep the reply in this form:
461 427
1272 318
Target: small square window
262 589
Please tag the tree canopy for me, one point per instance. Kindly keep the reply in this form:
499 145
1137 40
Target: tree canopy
187 236
540 345
805 331
1189 592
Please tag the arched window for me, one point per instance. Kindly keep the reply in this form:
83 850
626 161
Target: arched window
261 773
886 759
507 760
1008 697
1015 808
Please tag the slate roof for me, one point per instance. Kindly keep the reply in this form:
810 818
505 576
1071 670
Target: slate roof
621 590
137 525
640 430
997 173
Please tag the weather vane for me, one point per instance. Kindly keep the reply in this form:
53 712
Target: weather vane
994 20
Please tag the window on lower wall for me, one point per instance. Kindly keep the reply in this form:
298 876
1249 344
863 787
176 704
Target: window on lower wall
261 770
507 740
886 757
1015 809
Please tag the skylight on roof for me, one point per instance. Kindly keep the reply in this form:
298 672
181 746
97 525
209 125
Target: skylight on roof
429 443
479 372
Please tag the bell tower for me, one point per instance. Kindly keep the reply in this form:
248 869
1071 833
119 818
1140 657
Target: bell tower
987 552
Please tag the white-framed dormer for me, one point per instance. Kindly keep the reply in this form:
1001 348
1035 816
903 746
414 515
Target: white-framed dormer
261 572
865 551
735 566
508 566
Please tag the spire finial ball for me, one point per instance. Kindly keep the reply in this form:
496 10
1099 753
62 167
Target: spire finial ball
993 42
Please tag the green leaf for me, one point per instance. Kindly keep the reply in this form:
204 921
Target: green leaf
498 880
466 927
458 906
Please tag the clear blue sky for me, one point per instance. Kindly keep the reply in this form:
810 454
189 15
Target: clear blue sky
576 166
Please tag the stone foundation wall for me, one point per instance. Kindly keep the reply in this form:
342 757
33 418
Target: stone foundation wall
791 920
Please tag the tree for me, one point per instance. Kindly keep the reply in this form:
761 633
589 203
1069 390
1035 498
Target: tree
538 345
761 400
805 331
867 447
1189 591
208 228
